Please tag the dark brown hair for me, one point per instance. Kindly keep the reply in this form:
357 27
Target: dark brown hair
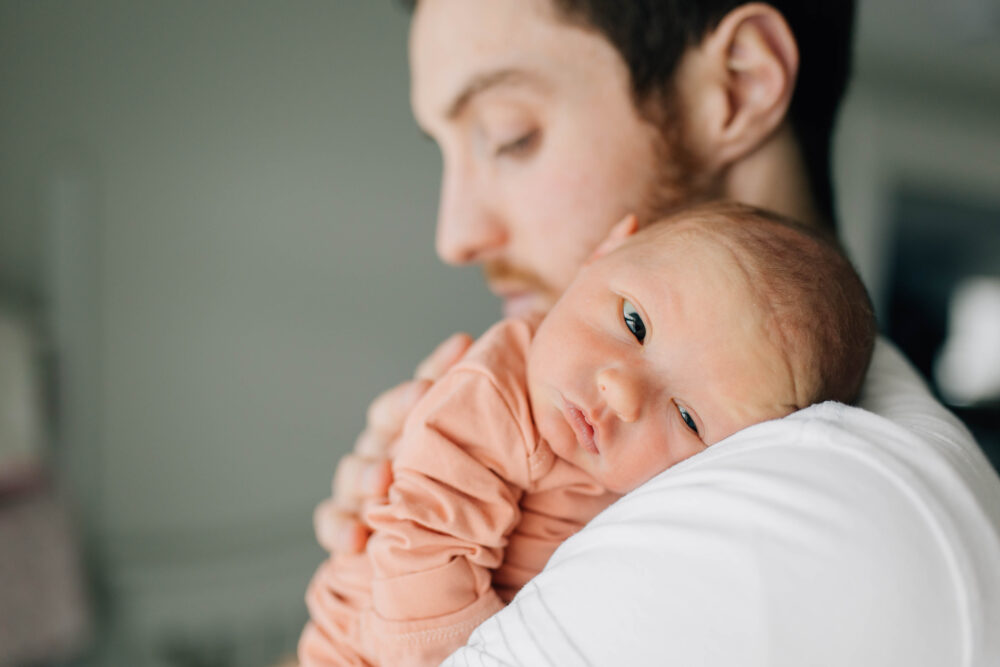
652 35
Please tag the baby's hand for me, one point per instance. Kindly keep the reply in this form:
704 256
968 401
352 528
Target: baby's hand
364 475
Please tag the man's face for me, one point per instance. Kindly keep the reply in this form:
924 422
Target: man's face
543 148
654 352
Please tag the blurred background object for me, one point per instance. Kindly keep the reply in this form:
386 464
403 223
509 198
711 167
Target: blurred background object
919 191
216 226
45 615
21 403
967 367
943 301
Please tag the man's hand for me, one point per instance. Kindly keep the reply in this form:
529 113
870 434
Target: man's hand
364 475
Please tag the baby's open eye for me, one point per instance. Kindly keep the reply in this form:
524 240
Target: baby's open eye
633 320
688 419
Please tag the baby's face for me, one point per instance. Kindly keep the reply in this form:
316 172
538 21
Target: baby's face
656 351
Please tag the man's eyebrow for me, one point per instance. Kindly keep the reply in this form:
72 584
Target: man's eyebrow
485 81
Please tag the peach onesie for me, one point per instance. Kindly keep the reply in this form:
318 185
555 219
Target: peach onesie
477 506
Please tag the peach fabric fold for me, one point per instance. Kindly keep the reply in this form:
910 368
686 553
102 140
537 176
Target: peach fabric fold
478 504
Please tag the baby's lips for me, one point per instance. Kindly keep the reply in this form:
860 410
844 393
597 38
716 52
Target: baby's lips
584 430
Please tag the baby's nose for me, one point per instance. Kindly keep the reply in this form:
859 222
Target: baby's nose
622 392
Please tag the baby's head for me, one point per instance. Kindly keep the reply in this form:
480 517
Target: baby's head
676 336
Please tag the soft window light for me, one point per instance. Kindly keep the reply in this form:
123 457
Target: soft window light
968 368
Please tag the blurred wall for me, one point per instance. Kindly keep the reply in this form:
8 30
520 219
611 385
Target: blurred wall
258 209
922 113
246 211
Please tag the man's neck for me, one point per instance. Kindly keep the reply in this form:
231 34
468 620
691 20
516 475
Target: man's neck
774 177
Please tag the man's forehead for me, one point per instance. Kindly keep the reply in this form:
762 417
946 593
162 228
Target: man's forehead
462 45
499 78
448 35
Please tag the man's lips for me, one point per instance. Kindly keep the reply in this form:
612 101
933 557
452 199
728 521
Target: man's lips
584 430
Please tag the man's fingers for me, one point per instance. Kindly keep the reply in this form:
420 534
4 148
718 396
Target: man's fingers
364 476
371 445
325 524
443 357
359 478
376 479
347 489
338 532
388 412
357 484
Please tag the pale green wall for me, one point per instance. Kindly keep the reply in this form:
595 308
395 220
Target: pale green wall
264 208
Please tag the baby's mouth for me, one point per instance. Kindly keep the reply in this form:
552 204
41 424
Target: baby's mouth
583 429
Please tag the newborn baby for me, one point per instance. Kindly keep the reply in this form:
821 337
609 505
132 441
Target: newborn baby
670 339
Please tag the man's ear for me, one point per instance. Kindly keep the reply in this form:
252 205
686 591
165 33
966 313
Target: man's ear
622 229
739 82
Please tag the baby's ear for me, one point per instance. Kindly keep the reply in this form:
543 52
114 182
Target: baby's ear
622 229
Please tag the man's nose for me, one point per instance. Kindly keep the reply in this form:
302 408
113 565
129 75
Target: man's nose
622 391
469 227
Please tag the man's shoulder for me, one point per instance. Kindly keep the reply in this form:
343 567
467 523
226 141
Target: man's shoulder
910 461
871 531
834 512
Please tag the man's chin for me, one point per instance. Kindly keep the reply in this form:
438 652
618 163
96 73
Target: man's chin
522 305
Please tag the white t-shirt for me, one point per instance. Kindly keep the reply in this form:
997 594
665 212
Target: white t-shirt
836 536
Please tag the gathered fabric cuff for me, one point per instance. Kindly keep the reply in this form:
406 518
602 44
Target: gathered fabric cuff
428 641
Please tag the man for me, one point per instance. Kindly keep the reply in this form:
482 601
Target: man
861 539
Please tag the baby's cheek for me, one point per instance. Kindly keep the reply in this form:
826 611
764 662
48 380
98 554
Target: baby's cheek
553 431
673 447
689 448
642 459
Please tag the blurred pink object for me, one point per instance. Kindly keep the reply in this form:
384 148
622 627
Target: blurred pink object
44 616
21 431
43 608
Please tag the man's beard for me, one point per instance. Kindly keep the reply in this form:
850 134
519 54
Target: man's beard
500 272
681 179
503 272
